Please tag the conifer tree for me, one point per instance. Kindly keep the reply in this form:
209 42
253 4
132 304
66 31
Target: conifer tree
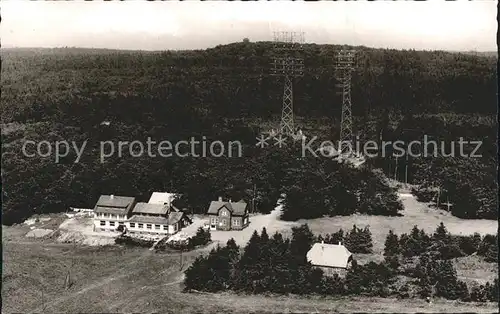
336 237
301 243
392 262
414 244
248 270
358 240
367 240
488 246
441 233
219 269
493 293
195 274
391 247
424 287
492 253
462 291
320 239
233 251
446 286
478 294
425 240
264 237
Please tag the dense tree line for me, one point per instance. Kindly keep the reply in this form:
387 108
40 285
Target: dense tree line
443 169
441 244
423 81
39 185
324 187
277 265
357 240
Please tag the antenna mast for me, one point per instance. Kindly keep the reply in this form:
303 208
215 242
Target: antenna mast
289 65
345 66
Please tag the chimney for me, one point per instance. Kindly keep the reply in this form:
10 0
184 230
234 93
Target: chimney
322 242
229 200
111 196
220 198
340 243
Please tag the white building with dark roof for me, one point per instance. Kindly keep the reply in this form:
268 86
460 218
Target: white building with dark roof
111 211
154 219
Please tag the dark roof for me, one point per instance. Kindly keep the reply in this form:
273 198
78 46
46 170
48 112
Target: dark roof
173 218
147 208
149 219
237 209
119 205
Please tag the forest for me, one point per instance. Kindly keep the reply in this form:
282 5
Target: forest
227 93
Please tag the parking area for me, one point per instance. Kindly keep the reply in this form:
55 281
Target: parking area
270 221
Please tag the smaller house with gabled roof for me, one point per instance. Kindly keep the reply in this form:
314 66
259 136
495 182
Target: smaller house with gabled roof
112 211
228 215
331 258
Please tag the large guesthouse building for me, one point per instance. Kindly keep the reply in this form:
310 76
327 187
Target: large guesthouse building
112 211
157 218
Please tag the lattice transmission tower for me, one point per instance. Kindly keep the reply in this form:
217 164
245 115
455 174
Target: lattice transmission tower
289 64
344 67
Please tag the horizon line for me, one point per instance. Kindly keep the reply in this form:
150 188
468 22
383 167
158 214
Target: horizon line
238 42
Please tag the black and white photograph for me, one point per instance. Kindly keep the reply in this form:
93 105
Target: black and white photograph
249 157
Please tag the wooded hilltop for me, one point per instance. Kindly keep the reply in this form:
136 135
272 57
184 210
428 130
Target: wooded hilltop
226 93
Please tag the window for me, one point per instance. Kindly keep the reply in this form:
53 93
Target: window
223 222
140 226
121 223
236 222
132 225
223 213
157 227
165 227
112 223
175 227
148 226
103 223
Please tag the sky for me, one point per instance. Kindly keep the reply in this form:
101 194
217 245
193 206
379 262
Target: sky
138 25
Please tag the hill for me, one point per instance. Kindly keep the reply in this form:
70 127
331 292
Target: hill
226 93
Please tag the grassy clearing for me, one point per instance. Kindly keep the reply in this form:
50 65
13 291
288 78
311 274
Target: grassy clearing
415 213
116 279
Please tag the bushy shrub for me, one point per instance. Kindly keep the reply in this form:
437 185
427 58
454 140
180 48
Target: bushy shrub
130 241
